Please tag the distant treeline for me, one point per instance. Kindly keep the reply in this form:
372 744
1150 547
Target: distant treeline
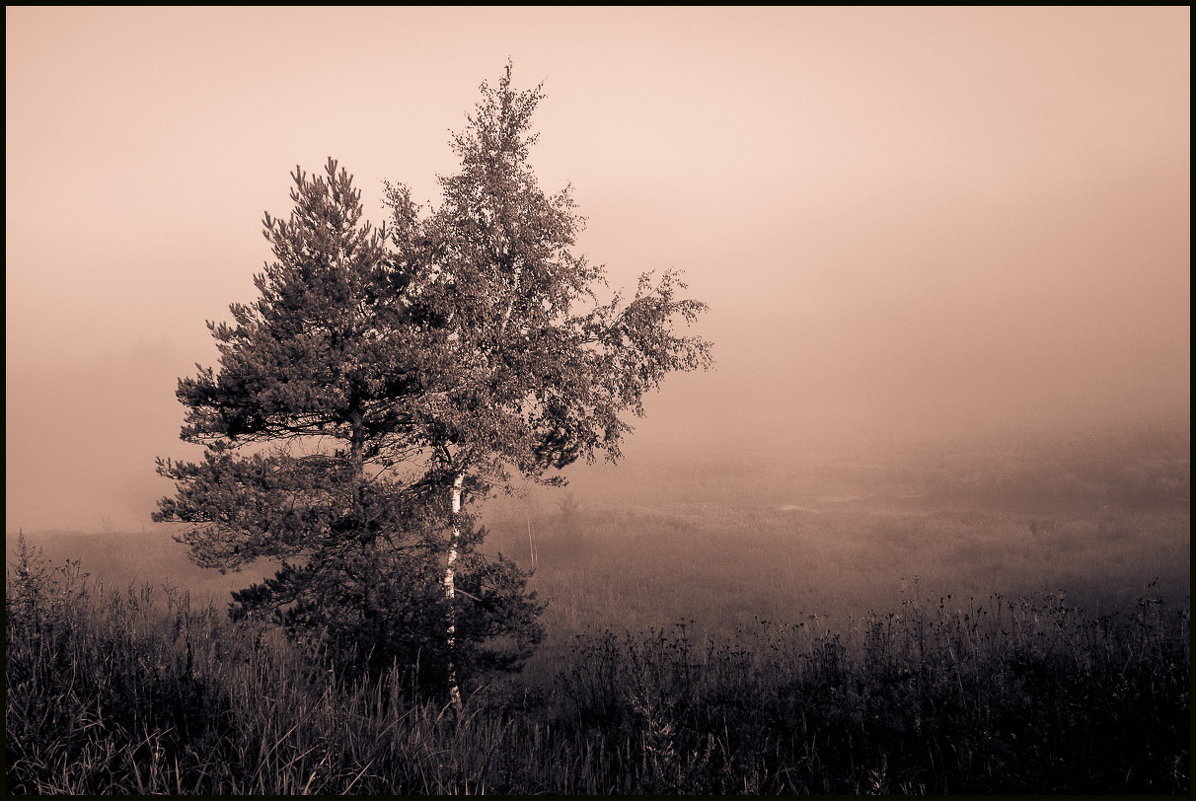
1122 470
1148 467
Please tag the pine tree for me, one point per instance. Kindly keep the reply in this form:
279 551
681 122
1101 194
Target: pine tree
304 425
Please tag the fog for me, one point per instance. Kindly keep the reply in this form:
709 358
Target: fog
909 224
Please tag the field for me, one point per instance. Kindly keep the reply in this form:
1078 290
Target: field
989 617
1095 517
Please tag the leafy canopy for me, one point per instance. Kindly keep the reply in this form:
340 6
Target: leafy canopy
379 367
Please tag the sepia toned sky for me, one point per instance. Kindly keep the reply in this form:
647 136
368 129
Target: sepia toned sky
907 222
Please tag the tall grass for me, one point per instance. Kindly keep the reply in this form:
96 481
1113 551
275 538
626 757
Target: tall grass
136 691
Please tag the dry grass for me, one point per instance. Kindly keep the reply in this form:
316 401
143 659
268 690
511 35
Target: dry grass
137 692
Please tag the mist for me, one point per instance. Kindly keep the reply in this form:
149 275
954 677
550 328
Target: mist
909 224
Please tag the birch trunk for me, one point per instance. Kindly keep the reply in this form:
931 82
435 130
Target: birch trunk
450 591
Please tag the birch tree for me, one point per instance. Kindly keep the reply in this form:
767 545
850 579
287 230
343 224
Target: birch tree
532 370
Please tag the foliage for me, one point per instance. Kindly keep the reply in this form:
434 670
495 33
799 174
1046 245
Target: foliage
138 692
530 371
386 376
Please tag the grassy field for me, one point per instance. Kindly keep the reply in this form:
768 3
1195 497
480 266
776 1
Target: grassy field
137 692
1008 617
1093 517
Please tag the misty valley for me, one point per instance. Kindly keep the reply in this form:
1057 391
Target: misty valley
796 403
1001 615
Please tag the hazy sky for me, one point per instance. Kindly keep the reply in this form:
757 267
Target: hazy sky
904 220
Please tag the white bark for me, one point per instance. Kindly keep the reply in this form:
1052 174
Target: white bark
511 303
450 590
531 542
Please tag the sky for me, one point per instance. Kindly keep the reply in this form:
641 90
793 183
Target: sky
906 222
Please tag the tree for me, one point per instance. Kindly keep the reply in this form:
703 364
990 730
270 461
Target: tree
312 379
403 374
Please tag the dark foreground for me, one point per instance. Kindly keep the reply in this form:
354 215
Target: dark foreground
134 691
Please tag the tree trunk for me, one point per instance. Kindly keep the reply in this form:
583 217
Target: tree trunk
450 591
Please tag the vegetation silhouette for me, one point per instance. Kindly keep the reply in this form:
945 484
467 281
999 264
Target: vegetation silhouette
136 692
387 378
